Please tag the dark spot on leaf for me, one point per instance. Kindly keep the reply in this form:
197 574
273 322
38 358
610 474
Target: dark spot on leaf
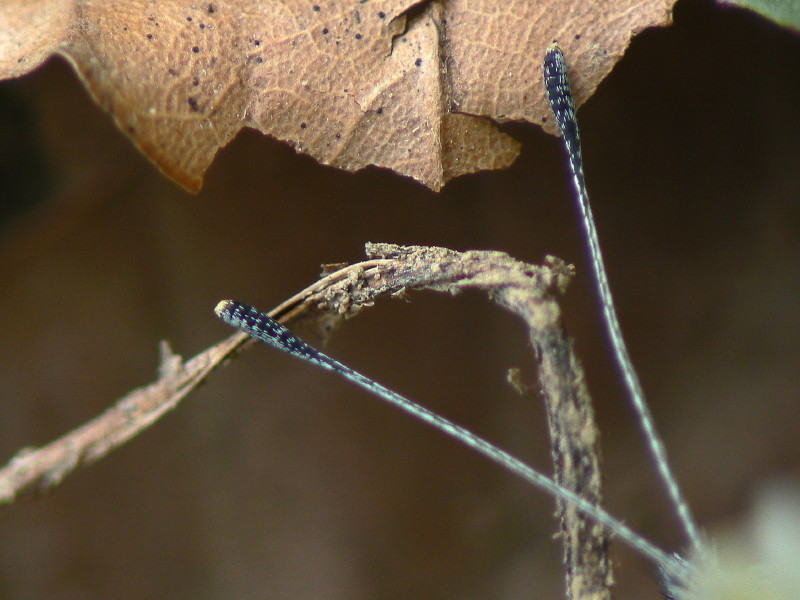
381 15
202 25
192 103
303 125
195 81
418 62
325 31
211 9
338 136
195 49
358 36
189 19
315 8
259 60
173 72
257 42
379 111
577 36
149 36
544 119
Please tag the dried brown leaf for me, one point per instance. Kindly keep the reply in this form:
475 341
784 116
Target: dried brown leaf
395 83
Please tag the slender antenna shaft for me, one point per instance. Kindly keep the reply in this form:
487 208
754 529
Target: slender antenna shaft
265 329
563 106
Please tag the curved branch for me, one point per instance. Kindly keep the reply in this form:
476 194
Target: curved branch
341 293
527 290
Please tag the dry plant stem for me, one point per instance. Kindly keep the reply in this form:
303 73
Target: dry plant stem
577 461
527 290
34 470
575 449
389 270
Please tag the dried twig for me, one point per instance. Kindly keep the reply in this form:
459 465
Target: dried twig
576 459
575 442
529 291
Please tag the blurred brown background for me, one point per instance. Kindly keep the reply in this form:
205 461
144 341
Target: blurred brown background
279 481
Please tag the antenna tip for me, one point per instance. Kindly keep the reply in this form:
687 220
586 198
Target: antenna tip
222 307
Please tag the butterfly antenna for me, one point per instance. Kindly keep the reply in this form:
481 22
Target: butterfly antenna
265 329
563 106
